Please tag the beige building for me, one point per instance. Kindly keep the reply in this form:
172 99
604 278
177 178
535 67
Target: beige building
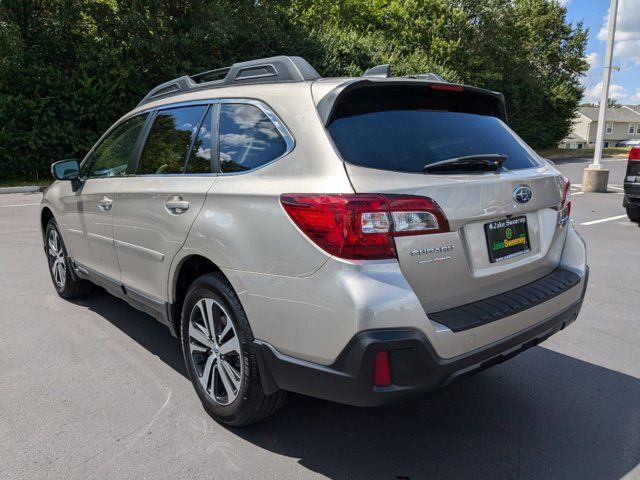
622 125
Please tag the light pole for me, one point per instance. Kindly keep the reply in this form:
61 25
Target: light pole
595 178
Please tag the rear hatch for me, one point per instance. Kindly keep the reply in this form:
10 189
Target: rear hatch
503 217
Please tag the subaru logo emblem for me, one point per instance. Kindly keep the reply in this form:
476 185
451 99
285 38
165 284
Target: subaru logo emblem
522 194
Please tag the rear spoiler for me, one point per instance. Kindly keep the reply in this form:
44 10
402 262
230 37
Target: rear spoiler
329 103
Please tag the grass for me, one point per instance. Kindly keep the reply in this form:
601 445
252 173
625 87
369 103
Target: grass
23 182
556 153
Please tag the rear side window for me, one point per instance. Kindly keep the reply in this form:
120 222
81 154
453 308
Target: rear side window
248 139
406 128
169 140
112 155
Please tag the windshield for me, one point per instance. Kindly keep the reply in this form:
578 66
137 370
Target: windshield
407 134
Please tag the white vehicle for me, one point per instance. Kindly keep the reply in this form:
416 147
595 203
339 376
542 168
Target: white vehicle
361 240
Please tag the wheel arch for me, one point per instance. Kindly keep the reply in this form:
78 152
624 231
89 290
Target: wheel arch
45 215
187 269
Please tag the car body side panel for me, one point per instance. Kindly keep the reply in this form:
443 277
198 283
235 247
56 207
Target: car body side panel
147 235
86 228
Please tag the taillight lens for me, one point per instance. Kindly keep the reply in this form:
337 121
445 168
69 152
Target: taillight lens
566 190
362 226
634 154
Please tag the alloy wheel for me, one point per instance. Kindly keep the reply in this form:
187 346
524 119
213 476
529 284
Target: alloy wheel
215 351
57 259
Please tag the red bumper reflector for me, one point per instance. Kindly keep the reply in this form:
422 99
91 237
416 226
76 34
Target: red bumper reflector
382 370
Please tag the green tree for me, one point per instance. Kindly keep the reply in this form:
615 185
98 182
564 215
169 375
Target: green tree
70 68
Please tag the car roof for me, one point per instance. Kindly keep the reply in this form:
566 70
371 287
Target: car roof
262 77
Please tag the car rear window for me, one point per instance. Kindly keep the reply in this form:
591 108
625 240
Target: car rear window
406 128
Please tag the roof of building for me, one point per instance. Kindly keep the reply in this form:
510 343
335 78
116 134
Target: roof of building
574 137
625 113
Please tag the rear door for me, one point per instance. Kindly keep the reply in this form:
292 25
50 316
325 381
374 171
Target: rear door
88 212
156 205
504 229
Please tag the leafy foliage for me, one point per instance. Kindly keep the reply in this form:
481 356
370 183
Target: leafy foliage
70 68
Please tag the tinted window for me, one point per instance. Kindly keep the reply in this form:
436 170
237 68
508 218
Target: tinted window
406 132
248 139
200 157
169 139
111 157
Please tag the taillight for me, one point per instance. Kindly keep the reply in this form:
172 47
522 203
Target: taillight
634 154
362 226
566 190
565 205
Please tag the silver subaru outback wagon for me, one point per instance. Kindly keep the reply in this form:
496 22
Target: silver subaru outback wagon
362 240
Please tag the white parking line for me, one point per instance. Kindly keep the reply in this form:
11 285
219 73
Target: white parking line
19 205
617 217
615 187
576 193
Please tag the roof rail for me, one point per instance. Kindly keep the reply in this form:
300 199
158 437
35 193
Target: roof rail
264 70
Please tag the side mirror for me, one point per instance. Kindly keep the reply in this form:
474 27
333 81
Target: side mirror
66 170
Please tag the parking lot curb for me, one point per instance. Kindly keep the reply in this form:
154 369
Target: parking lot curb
25 189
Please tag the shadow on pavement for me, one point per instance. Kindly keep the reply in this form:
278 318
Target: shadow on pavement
139 326
541 415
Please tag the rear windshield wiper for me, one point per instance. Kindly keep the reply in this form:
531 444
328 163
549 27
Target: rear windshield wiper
487 162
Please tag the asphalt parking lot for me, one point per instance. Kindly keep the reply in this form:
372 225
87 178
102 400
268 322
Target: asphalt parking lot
96 389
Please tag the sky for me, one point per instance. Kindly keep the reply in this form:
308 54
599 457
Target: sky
625 84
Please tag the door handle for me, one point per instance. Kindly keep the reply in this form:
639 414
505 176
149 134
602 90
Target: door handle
105 203
176 204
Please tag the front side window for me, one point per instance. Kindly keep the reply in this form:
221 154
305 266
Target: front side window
248 139
169 140
111 157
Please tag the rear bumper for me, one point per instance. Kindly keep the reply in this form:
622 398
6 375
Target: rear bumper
416 368
631 194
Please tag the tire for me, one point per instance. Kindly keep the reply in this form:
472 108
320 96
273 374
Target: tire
633 213
64 281
222 366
